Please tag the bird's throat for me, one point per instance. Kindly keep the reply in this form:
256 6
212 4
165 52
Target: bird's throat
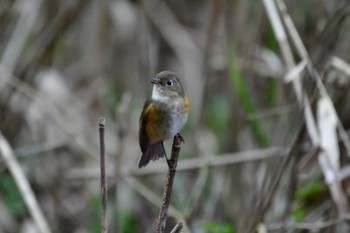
158 96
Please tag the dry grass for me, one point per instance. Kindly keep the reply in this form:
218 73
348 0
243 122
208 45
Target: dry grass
266 147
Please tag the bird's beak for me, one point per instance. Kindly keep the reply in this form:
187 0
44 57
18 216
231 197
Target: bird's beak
155 81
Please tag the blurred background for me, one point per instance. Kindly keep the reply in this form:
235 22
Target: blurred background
249 162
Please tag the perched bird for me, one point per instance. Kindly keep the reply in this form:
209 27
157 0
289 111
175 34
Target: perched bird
163 116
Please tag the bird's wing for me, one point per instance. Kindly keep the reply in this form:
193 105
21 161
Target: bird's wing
144 118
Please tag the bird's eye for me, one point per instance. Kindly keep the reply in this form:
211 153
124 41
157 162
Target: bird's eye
169 83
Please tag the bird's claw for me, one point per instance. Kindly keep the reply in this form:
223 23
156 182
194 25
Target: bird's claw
181 138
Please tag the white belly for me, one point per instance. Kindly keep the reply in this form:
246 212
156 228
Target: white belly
177 124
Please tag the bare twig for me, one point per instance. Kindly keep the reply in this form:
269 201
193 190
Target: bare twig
198 186
23 185
177 228
153 198
341 65
50 108
298 43
189 164
16 42
46 40
104 222
218 160
328 122
312 226
169 184
266 202
325 134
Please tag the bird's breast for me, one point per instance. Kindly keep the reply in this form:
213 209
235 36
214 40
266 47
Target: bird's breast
178 116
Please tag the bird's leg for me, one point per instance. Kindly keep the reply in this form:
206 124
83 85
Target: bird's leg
166 157
181 138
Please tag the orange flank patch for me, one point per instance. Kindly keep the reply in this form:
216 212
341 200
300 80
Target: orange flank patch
151 120
187 104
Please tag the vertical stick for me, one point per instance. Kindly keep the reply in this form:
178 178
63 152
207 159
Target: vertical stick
104 222
169 184
10 160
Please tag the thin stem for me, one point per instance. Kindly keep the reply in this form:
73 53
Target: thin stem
104 222
169 184
10 160
177 228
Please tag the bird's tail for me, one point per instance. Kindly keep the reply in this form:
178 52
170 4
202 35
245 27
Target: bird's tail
153 152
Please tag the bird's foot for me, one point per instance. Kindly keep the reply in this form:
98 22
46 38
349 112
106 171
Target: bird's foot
181 138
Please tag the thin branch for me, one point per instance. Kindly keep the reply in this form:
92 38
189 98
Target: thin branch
188 164
24 26
46 40
198 186
169 184
267 200
318 135
50 108
341 65
177 228
296 39
217 160
327 137
311 226
153 198
104 221
23 185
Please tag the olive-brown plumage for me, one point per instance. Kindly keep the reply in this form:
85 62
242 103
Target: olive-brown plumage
163 116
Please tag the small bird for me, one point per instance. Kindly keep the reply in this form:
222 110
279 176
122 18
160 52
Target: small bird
163 116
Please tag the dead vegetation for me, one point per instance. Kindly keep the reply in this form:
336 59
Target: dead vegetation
267 143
